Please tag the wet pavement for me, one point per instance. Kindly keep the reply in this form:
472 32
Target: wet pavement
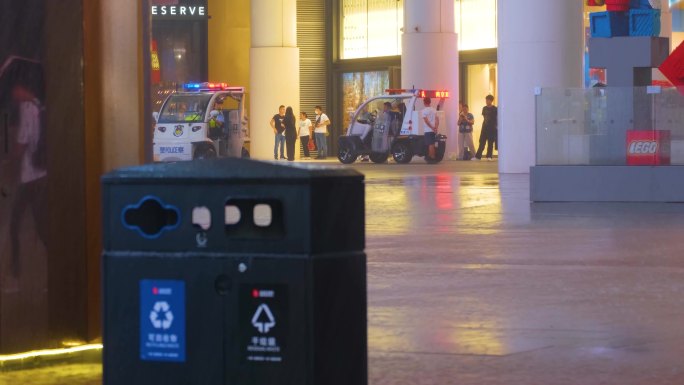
470 283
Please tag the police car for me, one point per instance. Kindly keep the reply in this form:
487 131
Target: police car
392 124
205 120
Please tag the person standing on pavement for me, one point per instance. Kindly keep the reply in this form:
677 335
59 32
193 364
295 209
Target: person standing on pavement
465 132
279 131
290 123
431 121
304 133
320 132
489 132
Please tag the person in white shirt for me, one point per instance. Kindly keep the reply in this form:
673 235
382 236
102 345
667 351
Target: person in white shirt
320 132
304 133
431 121
32 189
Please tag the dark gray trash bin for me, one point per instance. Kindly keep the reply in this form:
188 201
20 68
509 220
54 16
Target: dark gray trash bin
270 290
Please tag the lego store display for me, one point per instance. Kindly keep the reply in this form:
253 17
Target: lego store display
625 42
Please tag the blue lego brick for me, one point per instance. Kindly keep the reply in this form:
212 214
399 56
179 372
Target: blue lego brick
644 22
640 4
609 24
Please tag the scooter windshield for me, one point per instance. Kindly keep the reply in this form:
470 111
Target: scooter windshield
183 108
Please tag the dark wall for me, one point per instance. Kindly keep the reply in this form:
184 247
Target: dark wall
67 265
45 302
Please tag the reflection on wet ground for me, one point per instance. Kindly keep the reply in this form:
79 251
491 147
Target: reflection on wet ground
470 283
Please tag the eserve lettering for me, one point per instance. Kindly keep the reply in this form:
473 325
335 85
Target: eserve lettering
171 150
178 10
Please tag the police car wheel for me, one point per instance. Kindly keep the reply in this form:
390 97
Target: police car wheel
346 155
377 157
439 155
438 158
401 152
205 152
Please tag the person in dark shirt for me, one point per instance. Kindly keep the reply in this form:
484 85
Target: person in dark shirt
279 131
489 132
290 123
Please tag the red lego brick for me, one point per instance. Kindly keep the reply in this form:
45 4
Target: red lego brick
648 147
596 3
617 5
673 67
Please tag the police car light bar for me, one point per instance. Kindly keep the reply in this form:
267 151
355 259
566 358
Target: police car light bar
207 86
434 94
420 93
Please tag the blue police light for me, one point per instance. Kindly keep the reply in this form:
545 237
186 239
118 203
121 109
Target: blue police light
206 86
192 86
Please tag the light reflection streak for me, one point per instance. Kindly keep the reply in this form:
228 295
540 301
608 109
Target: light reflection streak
443 203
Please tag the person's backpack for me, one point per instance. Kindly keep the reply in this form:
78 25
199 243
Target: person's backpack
40 154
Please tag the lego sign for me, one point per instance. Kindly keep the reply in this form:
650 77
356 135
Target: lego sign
648 148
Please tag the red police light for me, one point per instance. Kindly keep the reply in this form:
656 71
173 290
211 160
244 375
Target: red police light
434 94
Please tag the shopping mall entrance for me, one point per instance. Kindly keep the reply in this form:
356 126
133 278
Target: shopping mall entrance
478 81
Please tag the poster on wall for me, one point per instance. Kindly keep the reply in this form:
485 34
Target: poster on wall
23 176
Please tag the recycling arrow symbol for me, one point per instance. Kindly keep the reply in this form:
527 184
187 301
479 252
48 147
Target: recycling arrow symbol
161 315
263 319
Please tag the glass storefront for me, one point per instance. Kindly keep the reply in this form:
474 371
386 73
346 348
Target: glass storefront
475 24
481 81
179 47
358 87
372 28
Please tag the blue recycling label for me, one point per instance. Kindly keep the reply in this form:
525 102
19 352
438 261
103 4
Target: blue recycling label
162 320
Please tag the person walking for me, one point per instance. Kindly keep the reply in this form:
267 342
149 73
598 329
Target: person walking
320 132
489 128
30 154
431 121
465 132
279 131
304 133
290 123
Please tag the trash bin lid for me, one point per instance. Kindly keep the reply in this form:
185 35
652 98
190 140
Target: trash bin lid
234 169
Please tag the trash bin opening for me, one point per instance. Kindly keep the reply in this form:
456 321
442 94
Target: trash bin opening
254 218
201 218
150 217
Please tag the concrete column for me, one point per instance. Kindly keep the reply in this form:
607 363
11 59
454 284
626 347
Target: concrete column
429 58
273 70
540 45
122 83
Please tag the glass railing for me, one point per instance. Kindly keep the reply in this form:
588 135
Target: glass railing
610 126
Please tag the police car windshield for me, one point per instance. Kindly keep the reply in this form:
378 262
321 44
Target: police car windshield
185 108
